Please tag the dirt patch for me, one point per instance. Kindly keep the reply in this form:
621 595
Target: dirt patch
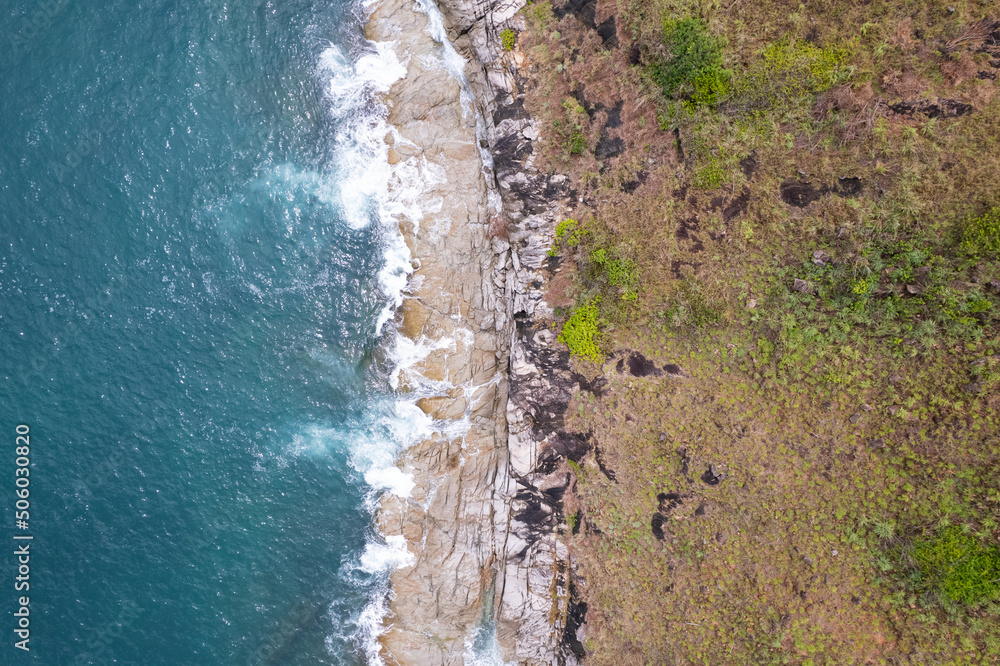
608 147
737 206
638 366
799 193
608 32
584 10
940 108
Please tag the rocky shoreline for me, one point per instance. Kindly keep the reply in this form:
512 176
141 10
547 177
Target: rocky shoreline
484 519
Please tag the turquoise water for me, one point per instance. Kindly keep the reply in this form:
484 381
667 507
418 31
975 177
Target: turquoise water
189 303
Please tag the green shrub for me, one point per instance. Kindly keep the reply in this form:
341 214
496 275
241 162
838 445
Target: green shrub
958 565
569 232
579 333
576 144
981 235
786 71
710 176
507 39
571 130
620 274
694 69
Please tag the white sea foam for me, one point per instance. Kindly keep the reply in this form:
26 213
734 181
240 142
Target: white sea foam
354 84
391 478
391 555
369 189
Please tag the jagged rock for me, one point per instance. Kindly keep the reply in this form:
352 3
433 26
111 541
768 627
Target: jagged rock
713 476
483 519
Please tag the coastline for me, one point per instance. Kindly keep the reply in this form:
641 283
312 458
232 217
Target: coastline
483 520
451 354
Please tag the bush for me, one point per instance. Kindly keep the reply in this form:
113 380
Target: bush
694 69
507 39
571 130
568 232
620 274
958 565
576 144
579 333
981 235
788 70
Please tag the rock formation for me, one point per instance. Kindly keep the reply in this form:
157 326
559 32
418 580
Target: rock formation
484 518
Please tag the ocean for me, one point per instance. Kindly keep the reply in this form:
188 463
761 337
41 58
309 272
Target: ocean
197 280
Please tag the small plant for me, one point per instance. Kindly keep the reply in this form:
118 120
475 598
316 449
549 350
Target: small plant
574 140
539 15
981 235
958 565
786 71
569 232
694 69
579 333
507 39
710 176
622 274
576 144
864 287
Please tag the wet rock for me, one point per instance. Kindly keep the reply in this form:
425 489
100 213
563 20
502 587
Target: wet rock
573 446
576 615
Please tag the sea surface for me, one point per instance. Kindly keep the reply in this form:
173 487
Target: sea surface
195 283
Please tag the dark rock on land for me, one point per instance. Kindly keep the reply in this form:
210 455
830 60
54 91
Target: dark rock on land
940 108
713 476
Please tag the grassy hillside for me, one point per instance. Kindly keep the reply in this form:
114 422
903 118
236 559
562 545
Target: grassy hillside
786 262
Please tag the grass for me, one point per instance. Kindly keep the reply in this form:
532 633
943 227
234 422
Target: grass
957 565
856 420
981 235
